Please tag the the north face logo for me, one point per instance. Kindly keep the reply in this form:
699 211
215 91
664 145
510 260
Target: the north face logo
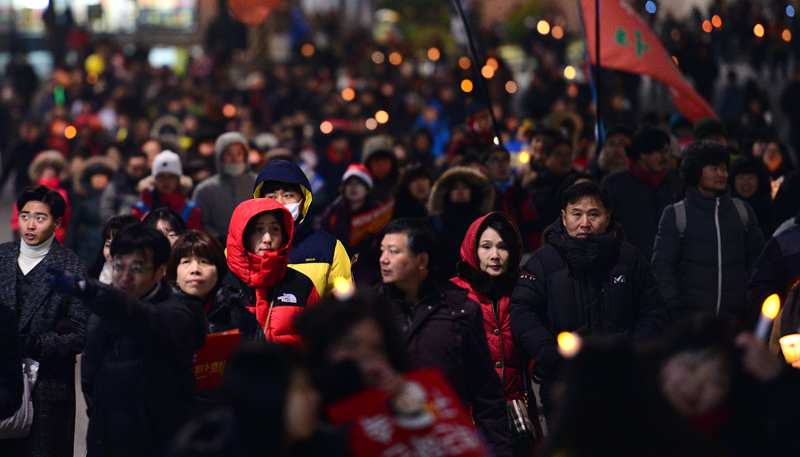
288 298
527 276
619 279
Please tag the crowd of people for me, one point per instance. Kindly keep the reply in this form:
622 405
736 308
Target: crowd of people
391 278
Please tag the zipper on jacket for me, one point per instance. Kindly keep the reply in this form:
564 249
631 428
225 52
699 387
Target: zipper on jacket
719 258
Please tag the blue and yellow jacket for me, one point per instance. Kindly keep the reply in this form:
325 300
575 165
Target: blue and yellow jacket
315 253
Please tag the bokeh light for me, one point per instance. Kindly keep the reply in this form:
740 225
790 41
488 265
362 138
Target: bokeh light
378 57
348 94
511 87
570 72
543 27
786 35
716 21
326 127
70 132
758 30
557 32
650 7
395 58
466 85
487 72
372 124
382 117
707 27
307 50
464 63
434 54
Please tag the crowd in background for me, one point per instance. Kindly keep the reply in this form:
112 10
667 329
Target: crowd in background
364 159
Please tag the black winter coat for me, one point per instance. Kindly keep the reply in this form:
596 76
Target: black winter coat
445 330
777 268
52 326
10 363
138 369
229 312
596 286
638 206
708 269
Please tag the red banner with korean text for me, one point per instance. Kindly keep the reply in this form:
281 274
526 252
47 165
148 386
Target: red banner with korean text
209 362
371 222
442 427
628 44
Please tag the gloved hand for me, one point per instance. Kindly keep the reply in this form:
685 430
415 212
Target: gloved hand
67 283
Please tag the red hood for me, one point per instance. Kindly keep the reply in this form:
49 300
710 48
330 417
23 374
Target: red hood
257 271
469 247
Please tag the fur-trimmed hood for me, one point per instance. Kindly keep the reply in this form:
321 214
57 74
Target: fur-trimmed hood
149 183
90 167
475 179
49 158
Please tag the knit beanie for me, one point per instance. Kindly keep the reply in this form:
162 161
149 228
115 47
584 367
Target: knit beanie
227 139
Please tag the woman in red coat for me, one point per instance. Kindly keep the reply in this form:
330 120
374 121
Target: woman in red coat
489 268
259 242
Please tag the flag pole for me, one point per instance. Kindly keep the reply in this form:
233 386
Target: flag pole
598 116
594 76
476 63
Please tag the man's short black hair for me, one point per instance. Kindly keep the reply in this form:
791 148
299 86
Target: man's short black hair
619 129
556 142
420 236
40 193
576 192
646 142
271 186
700 154
138 238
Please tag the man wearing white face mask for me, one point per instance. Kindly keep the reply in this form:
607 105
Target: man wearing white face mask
316 254
219 194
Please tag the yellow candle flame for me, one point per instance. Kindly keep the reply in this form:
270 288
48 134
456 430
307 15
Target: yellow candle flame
771 306
568 344
342 285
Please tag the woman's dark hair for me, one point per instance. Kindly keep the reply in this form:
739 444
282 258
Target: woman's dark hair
251 226
144 240
510 236
411 173
200 244
256 383
577 192
173 220
751 166
40 193
324 325
114 225
697 156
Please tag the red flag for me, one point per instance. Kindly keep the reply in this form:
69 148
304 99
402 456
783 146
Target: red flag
628 44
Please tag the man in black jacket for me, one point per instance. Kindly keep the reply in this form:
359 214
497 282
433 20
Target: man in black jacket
583 280
10 363
441 327
708 244
137 368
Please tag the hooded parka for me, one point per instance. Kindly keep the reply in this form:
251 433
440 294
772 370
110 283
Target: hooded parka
277 292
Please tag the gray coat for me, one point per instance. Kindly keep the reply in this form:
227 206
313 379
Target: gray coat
217 197
709 268
53 429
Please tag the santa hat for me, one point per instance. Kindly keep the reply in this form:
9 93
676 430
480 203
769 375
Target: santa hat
358 171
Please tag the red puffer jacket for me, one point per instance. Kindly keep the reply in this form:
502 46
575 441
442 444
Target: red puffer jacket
496 330
287 291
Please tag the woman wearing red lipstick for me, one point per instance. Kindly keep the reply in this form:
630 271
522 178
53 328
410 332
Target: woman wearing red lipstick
489 267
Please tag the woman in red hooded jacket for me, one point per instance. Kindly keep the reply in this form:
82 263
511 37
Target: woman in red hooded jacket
259 242
489 268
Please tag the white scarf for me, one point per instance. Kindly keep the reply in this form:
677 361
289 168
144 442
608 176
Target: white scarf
30 256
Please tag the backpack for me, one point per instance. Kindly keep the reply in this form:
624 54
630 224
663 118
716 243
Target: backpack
680 215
